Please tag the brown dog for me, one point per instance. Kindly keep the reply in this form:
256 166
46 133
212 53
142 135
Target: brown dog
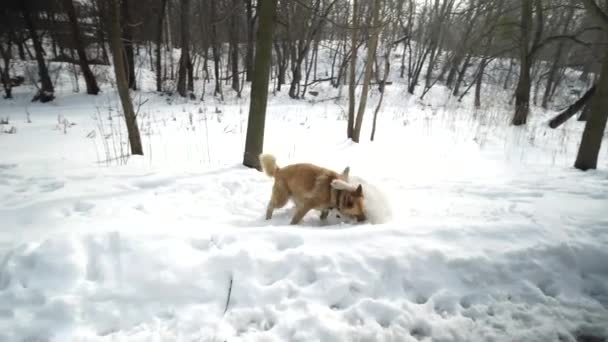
312 187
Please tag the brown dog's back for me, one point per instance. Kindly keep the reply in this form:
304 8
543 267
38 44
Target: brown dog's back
307 182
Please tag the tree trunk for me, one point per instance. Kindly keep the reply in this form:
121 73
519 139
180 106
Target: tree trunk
250 32
46 92
254 143
89 78
120 71
128 42
507 80
387 69
584 113
352 78
99 31
461 74
596 124
159 43
5 76
184 59
216 53
234 46
281 65
371 53
522 93
18 39
479 82
552 77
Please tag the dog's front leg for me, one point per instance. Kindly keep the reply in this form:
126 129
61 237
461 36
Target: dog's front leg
269 210
300 212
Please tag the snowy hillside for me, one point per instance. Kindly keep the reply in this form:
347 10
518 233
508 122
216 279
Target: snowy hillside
493 235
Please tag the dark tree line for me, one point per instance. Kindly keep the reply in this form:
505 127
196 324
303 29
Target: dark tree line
527 46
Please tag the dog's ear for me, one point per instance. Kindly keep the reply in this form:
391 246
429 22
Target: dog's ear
346 172
359 191
339 184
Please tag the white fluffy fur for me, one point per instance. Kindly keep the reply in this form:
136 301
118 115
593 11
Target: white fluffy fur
339 184
377 206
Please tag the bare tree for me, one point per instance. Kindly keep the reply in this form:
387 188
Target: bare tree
46 93
121 79
254 143
128 43
352 77
159 41
184 60
375 28
234 46
595 126
89 78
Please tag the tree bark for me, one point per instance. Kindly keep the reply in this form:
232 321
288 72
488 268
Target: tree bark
352 77
215 48
371 53
46 92
254 143
5 76
184 59
89 78
479 82
387 69
234 46
522 92
250 34
159 42
120 70
595 126
128 43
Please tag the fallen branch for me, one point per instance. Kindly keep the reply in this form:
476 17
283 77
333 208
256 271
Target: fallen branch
573 109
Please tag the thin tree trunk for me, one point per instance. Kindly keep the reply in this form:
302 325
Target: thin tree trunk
46 92
5 76
387 69
99 31
184 60
121 80
89 78
371 52
159 43
250 33
505 84
234 46
18 39
254 143
128 42
522 93
216 52
352 78
479 82
461 74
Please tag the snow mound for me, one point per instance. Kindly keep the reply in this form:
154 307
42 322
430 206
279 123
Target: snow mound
377 206
287 286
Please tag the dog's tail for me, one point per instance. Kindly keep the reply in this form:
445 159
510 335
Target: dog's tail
269 164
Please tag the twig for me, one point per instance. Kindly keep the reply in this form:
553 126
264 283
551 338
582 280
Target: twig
229 294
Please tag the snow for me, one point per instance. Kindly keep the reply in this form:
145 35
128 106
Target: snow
479 231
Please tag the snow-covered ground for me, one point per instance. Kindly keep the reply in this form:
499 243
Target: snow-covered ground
492 237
